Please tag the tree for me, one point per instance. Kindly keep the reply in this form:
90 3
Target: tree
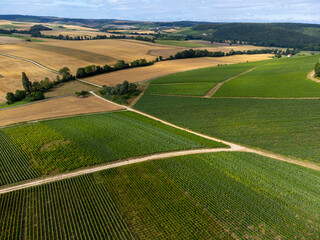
66 74
19 95
10 98
317 70
26 83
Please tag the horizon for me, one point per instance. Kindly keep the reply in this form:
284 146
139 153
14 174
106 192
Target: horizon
161 21
167 11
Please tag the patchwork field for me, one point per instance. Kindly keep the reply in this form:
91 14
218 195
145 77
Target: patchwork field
289 127
168 67
57 32
280 78
11 74
53 108
228 195
197 82
60 145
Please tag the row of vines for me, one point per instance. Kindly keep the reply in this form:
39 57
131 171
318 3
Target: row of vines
62 145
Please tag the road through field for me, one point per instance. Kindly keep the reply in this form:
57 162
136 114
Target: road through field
73 174
233 148
216 88
232 145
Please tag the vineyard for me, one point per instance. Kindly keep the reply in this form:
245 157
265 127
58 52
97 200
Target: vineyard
197 82
289 127
278 78
61 145
228 195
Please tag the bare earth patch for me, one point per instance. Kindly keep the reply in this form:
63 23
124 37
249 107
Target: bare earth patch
169 67
54 108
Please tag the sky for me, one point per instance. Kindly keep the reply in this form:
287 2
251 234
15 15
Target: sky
306 11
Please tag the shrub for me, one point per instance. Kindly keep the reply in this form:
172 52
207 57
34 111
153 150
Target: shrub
10 98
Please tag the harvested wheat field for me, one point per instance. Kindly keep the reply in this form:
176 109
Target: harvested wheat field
169 67
167 52
10 40
127 50
59 107
10 71
54 57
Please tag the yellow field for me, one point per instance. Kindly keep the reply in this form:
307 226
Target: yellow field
11 69
9 40
60 107
127 50
169 67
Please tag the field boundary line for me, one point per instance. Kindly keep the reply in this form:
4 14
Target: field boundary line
213 90
157 156
31 61
312 77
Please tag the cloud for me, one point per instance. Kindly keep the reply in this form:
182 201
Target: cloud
204 10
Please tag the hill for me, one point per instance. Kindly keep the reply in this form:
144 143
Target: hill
288 35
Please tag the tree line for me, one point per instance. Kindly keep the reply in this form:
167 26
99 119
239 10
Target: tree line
34 91
205 53
93 70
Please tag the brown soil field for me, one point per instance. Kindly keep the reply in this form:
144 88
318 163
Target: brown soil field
11 70
212 48
54 108
169 67
69 88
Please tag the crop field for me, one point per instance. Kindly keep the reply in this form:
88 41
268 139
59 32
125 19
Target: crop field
197 82
65 144
75 54
169 67
56 60
279 78
228 195
127 50
11 69
198 89
53 108
289 127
